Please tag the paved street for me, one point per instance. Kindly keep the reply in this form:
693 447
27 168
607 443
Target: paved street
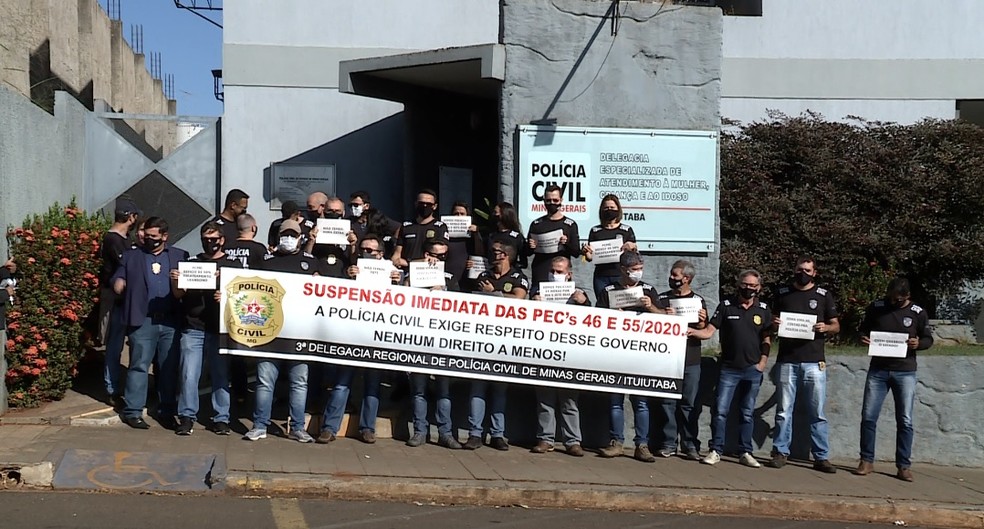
40 510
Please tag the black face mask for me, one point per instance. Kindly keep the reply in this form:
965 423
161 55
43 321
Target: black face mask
152 244
748 293
675 283
551 208
211 246
333 215
608 215
311 215
424 211
496 218
802 279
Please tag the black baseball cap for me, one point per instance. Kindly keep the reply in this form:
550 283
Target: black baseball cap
126 207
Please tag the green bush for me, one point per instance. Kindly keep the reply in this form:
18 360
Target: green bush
57 257
869 200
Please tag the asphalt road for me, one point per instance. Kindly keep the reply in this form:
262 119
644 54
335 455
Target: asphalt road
37 510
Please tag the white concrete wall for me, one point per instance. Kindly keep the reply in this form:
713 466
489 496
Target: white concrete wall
891 60
280 72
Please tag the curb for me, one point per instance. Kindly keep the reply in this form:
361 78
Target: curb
689 501
38 475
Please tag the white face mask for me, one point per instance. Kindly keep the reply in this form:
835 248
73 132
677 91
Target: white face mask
635 276
288 244
558 277
356 210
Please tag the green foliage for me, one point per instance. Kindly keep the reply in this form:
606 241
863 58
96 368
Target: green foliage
57 257
869 200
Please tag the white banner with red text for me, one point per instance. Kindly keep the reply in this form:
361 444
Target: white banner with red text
312 318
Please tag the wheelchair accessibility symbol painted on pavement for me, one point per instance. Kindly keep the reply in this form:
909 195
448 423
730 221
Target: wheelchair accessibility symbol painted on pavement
129 471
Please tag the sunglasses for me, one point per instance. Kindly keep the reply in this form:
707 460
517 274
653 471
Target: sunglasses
438 256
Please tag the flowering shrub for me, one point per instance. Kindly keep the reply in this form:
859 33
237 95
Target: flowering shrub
57 257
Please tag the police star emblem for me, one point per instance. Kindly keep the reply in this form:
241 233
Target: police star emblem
429 234
155 268
507 287
813 303
332 259
757 320
907 321
254 310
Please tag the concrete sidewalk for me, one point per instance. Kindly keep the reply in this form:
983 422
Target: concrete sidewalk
389 470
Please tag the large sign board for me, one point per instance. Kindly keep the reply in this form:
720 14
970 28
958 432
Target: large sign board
666 180
295 181
311 318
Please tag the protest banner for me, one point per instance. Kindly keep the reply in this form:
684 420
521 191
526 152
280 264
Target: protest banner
889 344
478 265
796 325
606 252
333 231
426 275
556 291
312 318
375 271
457 225
548 242
198 275
689 308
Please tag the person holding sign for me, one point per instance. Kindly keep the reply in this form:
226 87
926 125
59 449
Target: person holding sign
371 247
334 258
434 251
610 239
894 329
804 314
552 235
504 278
200 335
680 416
152 316
461 245
630 293
547 398
414 233
745 342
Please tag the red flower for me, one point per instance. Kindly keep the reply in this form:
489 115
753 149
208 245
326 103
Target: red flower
11 344
35 371
43 346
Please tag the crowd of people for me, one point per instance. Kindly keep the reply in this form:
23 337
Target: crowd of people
176 330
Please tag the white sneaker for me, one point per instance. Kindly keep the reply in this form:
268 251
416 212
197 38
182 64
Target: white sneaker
301 436
255 434
748 460
712 458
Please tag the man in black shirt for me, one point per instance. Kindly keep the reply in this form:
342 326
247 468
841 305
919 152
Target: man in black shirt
288 210
412 235
680 416
200 339
335 259
236 203
898 315
244 247
569 244
745 342
631 268
111 327
802 362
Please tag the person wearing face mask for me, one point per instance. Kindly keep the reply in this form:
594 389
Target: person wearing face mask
548 398
631 268
801 363
504 278
459 248
508 231
334 258
200 338
287 258
680 416
745 325
553 221
288 210
236 202
111 328
611 227
369 248
413 233
152 316
361 212
895 314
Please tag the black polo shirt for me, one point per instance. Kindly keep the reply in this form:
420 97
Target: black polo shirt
412 237
693 344
229 229
911 320
200 309
294 263
600 233
514 239
512 279
647 290
818 301
249 252
572 248
741 331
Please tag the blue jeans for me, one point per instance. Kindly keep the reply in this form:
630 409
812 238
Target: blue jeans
476 412
570 417
640 407
600 282
746 383
814 382
196 346
149 342
442 413
267 372
115 334
876 386
683 412
335 407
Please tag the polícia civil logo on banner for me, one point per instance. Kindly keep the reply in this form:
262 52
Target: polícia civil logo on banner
254 312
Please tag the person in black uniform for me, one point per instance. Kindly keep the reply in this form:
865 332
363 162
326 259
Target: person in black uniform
509 231
288 210
611 227
502 277
894 314
680 416
200 339
236 203
569 244
244 247
631 268
745 342
112 330
802 362
412 235
459 248
335 259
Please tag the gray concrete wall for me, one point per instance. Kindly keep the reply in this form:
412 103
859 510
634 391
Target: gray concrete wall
563 66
